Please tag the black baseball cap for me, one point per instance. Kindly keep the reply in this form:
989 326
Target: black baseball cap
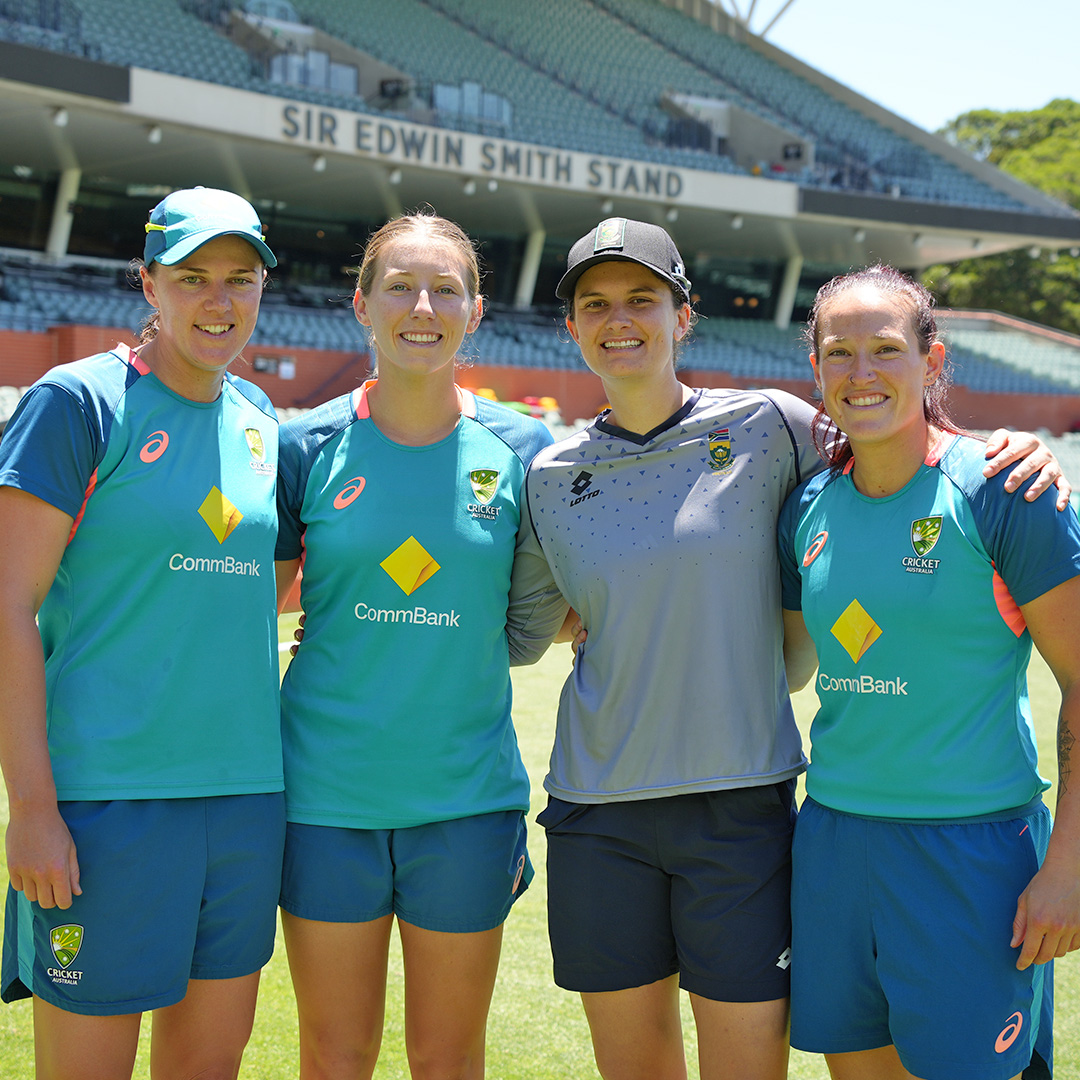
622 239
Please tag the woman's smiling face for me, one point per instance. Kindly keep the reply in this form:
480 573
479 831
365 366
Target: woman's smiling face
419 308
625 320
871 369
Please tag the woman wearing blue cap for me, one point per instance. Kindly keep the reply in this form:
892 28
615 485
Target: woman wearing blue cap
672 777
139 724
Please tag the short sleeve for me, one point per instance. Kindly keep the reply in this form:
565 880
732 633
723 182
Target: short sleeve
51 447
790 578
290 493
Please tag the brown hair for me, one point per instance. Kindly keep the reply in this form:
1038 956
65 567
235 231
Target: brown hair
830 441
432 225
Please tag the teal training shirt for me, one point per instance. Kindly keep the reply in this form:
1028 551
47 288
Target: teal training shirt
159 630
396 709
912 601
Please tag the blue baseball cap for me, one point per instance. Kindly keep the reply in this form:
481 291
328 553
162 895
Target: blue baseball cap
187 219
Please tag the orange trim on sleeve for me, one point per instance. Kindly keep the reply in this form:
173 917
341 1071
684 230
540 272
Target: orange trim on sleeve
1007 607
82 509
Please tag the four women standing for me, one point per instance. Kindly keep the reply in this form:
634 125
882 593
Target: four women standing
673 770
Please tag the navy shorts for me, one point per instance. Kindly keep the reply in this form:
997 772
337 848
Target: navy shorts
173 890
695 884
901 936
460 876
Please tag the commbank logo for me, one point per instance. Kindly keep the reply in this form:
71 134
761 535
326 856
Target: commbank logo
856 630
219 514
582 482
409 566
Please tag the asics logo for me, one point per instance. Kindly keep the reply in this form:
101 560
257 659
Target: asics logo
349 492
814 550
156 444
1009 1033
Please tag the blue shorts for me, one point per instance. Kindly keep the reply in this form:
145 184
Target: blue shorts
901 935
460 876
173 890
696 884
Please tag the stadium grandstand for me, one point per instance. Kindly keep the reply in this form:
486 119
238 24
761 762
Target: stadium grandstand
527 123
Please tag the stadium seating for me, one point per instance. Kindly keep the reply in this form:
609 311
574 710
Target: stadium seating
33 298
540 59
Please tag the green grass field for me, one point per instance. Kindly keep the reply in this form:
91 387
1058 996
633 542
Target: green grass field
536 1031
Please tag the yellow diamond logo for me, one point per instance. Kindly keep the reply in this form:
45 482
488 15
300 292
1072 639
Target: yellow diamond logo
856 631
410 566
219 514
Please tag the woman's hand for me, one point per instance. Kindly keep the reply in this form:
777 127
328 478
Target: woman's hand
1031 456
42 862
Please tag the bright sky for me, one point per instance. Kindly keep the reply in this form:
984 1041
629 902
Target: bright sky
931 60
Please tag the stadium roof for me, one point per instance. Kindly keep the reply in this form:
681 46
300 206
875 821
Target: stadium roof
151 130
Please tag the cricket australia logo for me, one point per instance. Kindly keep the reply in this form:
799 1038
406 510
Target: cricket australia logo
484 482
925 533
65 942
257 447
720 459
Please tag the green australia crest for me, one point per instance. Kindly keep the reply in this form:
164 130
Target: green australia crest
255 443
484 484
66 941
924 534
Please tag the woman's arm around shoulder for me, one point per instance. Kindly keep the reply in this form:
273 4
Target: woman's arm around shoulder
1031 457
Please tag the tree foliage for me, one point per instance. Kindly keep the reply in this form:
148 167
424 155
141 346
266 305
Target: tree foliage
1041 148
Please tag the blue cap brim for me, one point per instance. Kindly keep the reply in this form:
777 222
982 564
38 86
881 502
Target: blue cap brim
185 247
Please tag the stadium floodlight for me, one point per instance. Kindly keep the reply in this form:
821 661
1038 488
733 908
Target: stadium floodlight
469 187
394 176
60 117
859 236
737 221
607 205
493 185
319 163
672 214
154 134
